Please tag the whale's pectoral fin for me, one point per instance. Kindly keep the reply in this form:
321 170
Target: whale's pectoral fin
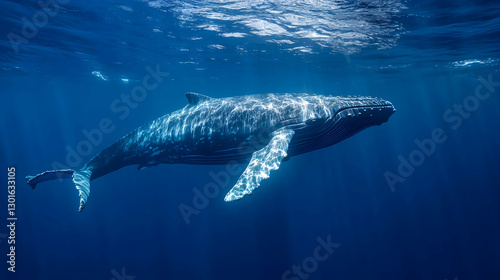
262 162
81 178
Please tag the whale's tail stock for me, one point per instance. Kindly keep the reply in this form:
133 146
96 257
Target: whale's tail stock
81 178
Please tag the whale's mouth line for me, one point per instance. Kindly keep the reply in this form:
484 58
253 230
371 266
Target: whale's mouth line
380 106
387 106
377 112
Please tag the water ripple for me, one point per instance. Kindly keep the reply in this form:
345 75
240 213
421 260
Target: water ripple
342 26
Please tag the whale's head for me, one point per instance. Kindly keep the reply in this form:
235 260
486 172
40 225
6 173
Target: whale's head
359 111
341 117
350 115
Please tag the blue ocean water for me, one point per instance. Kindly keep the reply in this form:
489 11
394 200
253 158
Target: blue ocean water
416 198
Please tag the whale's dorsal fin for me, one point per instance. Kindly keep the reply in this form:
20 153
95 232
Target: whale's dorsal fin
196 98
262 162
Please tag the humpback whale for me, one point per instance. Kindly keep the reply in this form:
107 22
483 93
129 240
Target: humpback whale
261 130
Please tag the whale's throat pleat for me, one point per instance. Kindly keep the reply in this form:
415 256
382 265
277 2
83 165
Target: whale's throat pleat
343 125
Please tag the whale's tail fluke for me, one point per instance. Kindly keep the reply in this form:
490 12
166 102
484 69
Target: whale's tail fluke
81 179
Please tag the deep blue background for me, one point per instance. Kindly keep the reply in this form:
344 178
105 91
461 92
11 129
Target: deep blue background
441 223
